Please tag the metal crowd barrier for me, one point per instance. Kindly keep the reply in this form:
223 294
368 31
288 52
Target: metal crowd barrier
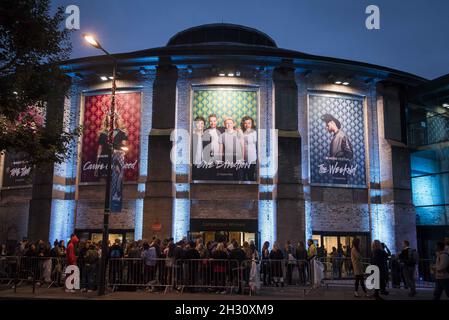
169 274
8 270
18 270
338 269
219 275
14 271
132 273
285 272
207 275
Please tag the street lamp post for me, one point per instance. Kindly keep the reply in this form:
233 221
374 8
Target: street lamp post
107 199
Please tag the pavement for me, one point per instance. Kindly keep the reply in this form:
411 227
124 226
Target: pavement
332 292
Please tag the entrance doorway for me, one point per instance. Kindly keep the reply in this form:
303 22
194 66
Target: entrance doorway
228 236
96 235
227 230
330 240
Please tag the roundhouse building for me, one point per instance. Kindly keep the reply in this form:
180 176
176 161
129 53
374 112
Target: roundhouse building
222 134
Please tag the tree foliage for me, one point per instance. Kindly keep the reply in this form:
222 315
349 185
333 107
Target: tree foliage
32 43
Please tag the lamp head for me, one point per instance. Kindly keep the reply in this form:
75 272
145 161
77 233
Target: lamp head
91 40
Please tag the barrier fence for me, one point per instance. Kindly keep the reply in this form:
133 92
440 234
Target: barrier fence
204 275
340 268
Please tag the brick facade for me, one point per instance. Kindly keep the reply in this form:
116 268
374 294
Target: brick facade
283 202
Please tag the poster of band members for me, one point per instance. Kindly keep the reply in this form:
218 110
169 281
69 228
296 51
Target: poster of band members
337 140
126 141
17 169
224 135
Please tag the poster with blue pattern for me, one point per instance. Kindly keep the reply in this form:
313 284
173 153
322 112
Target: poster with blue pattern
337 140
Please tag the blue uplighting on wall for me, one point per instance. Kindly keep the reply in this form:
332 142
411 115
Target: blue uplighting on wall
427 190
145 128
383 224
182 187
179 154
62 219
430 187
138 226
308 217
181 218
268 154
266 188
267 221
61 223
64 188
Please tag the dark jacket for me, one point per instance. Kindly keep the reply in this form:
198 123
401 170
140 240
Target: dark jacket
178 253
276 255
237 254
192 254
379 258
116 251
219 255
301 254
340 146
134 253
408 257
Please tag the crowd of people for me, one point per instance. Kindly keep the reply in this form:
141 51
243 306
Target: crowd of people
270 266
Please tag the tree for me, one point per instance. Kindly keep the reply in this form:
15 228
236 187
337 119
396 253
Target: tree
32 43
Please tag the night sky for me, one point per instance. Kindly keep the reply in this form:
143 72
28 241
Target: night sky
414 34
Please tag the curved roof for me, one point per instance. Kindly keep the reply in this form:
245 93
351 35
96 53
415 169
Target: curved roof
221 33
217 43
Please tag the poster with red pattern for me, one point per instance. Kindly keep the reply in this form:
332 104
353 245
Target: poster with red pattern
126 135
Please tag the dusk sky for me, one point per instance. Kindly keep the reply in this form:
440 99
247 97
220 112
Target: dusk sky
414 34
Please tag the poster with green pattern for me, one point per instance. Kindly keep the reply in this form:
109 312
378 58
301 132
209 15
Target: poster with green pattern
225 103
224 143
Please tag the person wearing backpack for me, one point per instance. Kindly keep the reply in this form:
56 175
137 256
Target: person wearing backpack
441 272
116 254
91 259
409 259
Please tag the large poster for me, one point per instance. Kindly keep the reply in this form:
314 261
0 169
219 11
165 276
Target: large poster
336 140
224 135
17 169
126 142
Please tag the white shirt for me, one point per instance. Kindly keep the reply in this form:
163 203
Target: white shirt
231 142
250 139
197 148
212 151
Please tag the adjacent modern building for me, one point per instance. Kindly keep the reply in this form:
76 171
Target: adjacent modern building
221 133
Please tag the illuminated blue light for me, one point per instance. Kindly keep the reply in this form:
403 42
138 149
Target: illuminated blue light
383 224
430 186
181 218
268 154
182 169
138 215
428 190
144 60
141 187
179 154
267 221
138 224
145 128
64 188
182 187
308 219
62 219
432 215
266 188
